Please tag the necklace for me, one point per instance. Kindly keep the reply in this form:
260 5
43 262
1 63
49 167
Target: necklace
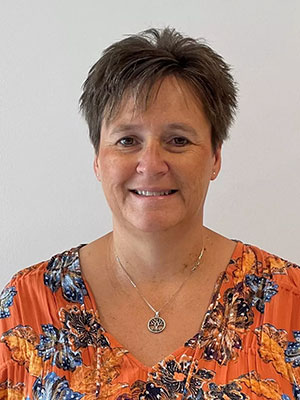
157 324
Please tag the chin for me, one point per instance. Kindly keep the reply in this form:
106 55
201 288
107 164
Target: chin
153 224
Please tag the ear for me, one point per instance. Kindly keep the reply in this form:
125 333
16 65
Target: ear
216 163
96 166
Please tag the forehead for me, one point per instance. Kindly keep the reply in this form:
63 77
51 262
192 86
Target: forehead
170 98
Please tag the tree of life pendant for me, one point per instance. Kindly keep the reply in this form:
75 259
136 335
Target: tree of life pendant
156 324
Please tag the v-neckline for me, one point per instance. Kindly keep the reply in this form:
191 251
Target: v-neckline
216 289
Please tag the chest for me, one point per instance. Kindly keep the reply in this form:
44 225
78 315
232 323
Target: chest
124 314
126 321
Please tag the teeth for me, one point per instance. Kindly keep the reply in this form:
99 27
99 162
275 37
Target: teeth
147 193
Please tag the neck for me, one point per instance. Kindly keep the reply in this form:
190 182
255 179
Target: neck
157 256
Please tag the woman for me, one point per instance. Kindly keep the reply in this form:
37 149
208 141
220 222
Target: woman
161 307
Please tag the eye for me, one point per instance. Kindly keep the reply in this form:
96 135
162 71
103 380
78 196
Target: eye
180 141
127 141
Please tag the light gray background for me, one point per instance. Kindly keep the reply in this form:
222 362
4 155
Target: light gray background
50 199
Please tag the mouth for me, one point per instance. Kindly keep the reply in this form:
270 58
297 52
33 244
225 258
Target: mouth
148 193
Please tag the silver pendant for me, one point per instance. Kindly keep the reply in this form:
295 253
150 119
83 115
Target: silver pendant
156 324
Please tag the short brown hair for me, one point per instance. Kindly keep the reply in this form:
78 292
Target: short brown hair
135 63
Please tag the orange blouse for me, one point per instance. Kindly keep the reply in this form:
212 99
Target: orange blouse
52 344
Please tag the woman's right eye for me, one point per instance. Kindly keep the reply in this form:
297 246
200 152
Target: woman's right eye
127 141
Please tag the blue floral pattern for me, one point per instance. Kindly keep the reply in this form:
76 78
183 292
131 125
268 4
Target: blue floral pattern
220 336
173 375
231 391
146 391
6 301
84 328
263 290
55 345
54 388
63 271
296 392
292 352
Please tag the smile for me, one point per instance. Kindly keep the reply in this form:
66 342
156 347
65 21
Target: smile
148 193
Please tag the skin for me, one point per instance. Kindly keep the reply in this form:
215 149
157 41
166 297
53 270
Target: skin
154 155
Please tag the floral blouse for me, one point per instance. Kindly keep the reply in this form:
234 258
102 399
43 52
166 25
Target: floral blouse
52 344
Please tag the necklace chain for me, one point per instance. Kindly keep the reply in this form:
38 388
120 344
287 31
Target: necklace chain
157 324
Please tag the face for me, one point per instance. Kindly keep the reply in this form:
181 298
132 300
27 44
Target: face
155 166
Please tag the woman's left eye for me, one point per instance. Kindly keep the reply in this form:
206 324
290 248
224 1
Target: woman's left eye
180 141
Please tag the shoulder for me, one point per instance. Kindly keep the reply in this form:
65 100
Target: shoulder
30 319
20 286
250 262
29 286
48 270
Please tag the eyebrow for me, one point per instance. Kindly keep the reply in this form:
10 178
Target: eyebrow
179 126
125 128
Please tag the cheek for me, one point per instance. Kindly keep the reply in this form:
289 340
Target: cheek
115 170
197 176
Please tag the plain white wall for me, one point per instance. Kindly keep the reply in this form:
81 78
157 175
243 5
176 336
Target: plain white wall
50 199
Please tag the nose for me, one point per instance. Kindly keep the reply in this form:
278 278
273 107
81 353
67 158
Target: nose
152 160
